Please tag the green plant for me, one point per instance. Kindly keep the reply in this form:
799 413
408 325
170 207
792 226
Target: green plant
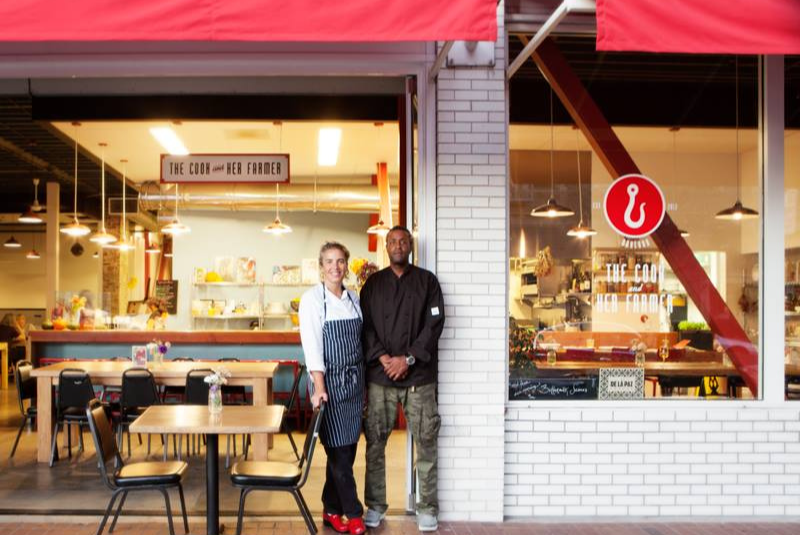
520 348
692 326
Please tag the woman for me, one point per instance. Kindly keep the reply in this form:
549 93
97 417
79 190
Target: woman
14 336
330 330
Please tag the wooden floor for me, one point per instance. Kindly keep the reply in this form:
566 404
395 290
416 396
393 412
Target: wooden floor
73 486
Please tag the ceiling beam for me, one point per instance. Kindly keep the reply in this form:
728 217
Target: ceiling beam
34 161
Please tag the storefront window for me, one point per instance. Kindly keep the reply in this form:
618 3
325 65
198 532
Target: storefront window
608 316
791 305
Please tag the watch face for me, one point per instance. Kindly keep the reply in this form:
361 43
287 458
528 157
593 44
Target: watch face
410 360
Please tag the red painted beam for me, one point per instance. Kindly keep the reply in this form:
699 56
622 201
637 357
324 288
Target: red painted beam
618 162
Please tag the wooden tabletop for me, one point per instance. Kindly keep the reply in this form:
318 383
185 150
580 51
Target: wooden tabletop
189 419
695 369
239 337
167 369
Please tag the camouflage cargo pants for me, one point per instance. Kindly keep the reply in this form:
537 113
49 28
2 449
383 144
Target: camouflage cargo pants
421 411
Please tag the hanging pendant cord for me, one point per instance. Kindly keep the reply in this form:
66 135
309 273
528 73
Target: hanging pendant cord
103 188
736 84
124 214
580 190
75 202
552 146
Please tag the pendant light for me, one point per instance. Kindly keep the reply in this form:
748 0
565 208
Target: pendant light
580 231
551 208
33 254
380 229
277 228
30 216
12 243
76 229
102 237
175 227
124 243
737 212
152 246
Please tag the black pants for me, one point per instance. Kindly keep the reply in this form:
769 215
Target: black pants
340 495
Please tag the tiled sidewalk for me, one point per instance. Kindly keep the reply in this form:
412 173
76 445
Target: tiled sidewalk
403 525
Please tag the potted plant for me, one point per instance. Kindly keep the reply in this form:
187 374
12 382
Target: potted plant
698 333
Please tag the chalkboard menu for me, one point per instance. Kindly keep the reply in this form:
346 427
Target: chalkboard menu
168 291
527 388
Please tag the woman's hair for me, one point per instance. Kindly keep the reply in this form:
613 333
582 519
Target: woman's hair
328 245
9 320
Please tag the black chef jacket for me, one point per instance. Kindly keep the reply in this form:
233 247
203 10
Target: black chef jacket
402 315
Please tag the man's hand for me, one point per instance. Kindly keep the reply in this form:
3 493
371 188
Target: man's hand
396 369
317 397
385 360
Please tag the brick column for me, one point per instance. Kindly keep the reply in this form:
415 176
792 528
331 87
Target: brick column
115 274
472 262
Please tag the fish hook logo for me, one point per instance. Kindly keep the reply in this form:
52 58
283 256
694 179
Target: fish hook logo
633 190
634 206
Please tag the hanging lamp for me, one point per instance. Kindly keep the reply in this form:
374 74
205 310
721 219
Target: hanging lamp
175 227
580 231
102 237
551 208
737 212
12 243
33 254
75 228
277 228
30 216
379 229
152 246
124 243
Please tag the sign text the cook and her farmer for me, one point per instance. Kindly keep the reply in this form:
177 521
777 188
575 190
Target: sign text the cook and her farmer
218 168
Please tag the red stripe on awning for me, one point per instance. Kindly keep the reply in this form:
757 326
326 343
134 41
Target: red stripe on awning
699 26
248 20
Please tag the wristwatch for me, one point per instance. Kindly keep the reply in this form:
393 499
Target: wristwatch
410 360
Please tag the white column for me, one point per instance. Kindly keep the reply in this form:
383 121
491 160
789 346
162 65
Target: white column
770 163
52 247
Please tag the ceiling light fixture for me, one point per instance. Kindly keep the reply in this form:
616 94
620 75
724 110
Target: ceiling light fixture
12 243
96 255
175 227
380 229
76 229
580 231
551 208
33 254
29 215
328 146
152 245
102 237
124 243
276 228
737 212
169 140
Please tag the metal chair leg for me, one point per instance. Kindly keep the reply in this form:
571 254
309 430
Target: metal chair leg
108 512
80 437
19 434
68 429
240 518
54 447
183 509
116 514
169 511
228 452
301 504
291 441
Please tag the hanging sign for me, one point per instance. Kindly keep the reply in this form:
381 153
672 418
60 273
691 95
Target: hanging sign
621 383
225 168
634 206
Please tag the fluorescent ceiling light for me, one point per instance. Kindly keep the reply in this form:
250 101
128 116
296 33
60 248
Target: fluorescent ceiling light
329 141
169 140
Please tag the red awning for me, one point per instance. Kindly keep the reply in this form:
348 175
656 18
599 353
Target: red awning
699 26
248 20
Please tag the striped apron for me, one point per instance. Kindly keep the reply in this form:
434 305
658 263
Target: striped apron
344 379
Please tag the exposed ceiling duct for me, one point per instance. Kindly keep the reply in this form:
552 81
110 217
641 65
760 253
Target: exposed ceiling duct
240 197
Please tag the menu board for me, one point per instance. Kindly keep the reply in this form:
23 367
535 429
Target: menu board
526 388
168 291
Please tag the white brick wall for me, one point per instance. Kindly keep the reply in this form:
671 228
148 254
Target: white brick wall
471 265
652 462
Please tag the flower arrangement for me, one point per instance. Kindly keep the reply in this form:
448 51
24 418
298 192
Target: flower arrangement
218 378
362 269
76 304
158 349
215 381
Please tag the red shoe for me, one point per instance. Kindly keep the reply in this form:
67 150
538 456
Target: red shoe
357 526
337 523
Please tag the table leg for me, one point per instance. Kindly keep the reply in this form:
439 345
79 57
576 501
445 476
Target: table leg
44 417
212 485
262 396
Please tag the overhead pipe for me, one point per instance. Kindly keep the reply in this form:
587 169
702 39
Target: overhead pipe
258 197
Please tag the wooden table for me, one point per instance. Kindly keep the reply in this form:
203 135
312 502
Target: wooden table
258 375
190 419
4 360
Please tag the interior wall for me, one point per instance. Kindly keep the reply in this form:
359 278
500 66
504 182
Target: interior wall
216 234
22 281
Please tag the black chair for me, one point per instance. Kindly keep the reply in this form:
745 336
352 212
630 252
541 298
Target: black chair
75 390
26 390
276 476
195 393
110 393
175 392
159 476
139 391
233 395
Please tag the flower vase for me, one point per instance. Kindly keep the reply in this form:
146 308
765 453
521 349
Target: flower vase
214 399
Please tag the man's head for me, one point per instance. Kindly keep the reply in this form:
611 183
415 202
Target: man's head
398 245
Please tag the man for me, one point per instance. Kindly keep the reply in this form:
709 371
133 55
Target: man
403 319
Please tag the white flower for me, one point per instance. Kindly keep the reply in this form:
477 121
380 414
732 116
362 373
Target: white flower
219 377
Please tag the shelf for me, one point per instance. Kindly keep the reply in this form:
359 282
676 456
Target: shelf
255 284
296 285
225 283
277 316
231 317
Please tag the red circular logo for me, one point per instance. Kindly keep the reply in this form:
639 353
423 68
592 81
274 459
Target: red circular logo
634 206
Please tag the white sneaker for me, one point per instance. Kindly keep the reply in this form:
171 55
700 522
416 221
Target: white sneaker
427 522
373 518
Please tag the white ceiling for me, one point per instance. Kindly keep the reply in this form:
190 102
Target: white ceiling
363 145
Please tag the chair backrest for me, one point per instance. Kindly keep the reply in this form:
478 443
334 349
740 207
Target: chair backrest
196 392
138 389
26 386
74 388
103 436
295 388
310 443
183 359
228 359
